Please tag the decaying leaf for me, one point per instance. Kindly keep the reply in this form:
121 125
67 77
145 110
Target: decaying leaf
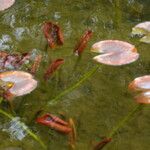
53 67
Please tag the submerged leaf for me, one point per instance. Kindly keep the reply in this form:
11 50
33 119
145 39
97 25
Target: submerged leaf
54 122
79 48
4 4
53 67
115 53
53 34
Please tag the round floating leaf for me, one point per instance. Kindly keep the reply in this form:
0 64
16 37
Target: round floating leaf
141 28
143 98
115 52
145 39
23 82
4 4
140 83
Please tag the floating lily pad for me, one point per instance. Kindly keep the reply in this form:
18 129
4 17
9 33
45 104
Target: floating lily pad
115 52
4 4
23 82
145 39
143 98
142 30
140 83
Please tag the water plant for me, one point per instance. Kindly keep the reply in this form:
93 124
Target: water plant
53 34
81 45
142 30
140 84
116 53
54 122
52 68
24 127
22 82
5 4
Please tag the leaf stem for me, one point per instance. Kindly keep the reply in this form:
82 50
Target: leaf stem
33 135
74 86
124 120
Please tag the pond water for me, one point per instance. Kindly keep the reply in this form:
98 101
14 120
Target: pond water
103 99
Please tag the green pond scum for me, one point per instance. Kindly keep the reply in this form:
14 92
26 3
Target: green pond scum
95 96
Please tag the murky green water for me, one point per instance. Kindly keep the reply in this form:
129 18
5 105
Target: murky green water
101 101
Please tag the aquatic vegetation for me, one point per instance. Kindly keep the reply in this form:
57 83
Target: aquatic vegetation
114 52
141 84
5 4
72 134
81 45
53 67
12 61
23 82
142 30
23 128
36 64
102 143
53 34
85 77
54 122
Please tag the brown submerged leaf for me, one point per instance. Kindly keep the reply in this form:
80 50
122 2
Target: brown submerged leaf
53 34
36 64
52 68
81 45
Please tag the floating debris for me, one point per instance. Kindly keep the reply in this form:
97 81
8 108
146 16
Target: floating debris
12 61
5 4
79 48
53 67
115 53
54 122
53 34
142 30
16 129
23 82
141 84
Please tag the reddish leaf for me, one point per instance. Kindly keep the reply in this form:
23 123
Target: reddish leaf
54 122
36 64
79 48
101 144
53 34
53 67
